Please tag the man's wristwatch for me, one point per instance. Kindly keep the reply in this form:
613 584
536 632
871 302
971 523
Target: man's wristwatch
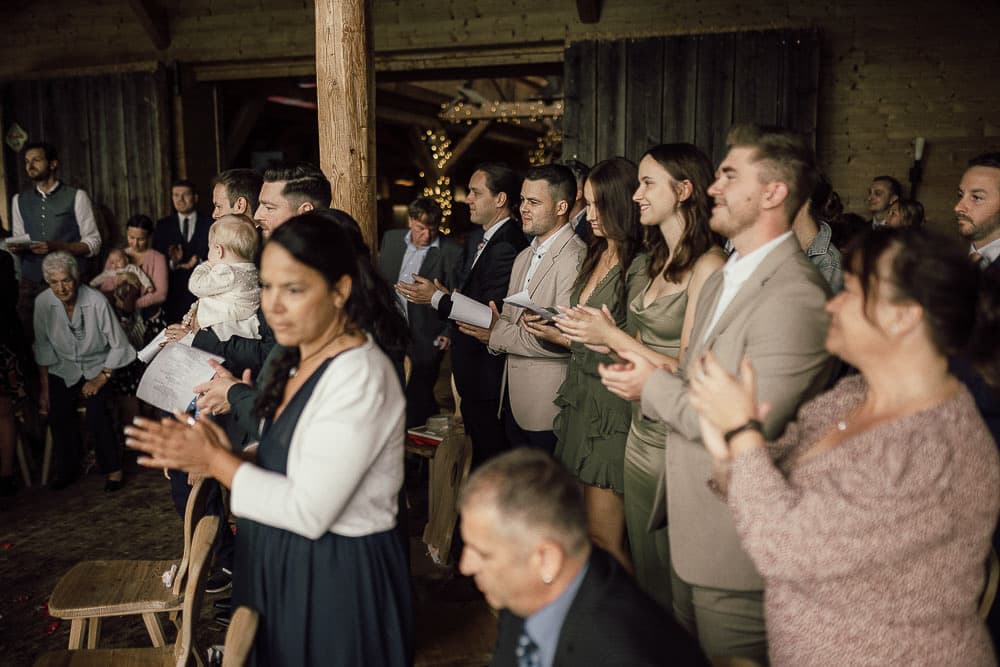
106 373
750 425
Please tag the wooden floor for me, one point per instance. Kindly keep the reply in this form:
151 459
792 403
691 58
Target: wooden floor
43 533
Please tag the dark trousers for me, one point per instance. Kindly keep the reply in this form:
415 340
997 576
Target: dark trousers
484 428
420 403
67 441
216 506
518 437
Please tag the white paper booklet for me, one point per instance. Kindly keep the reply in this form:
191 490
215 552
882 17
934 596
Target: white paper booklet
169 381
470 311
147 353
23 239
522 300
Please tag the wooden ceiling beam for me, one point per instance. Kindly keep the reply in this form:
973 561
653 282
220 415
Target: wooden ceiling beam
589 10
153 20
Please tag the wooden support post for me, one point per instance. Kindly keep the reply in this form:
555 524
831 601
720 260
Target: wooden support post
345 94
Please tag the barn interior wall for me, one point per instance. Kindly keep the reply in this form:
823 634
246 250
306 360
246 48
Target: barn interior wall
889 72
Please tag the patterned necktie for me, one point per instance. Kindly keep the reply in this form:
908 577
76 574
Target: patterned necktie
527 652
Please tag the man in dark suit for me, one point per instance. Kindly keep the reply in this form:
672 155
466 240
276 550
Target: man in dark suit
494 193
183 238
563 602
419 250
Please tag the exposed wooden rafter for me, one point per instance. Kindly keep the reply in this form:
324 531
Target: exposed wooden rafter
153 20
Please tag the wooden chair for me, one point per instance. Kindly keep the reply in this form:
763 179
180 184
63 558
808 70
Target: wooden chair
239 637
92 590
185 649
992 579
449 468
22 459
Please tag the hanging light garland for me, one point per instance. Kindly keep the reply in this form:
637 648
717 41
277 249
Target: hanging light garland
549 147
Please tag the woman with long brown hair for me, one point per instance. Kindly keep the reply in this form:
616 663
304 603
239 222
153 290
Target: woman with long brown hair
593 423
673 201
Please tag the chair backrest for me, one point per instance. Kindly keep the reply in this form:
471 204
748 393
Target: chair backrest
201 548
197 503
239 637
992 579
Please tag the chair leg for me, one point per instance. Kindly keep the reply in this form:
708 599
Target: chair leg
77 628
154 629
93 632
47 458
22 460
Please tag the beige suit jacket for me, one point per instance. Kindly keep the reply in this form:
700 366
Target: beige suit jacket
536 369
777 319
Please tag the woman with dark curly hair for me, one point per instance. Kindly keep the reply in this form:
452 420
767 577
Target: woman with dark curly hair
316 550
674 207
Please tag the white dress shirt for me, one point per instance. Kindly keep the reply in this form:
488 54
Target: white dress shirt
989 253
345 459
487 235
538 252
736 272
85 220
413 258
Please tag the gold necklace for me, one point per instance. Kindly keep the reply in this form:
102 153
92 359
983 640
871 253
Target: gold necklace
295 369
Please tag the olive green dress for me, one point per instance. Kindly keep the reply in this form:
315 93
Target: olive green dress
593 423
659 325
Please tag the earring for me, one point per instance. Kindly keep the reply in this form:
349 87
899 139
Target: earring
547 580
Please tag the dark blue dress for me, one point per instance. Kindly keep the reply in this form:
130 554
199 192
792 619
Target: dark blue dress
335 600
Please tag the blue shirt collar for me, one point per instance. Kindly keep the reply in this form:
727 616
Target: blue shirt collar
436 243
545 625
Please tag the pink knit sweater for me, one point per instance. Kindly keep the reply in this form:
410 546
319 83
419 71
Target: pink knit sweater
873 552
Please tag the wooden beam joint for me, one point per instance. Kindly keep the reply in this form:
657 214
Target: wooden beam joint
153 20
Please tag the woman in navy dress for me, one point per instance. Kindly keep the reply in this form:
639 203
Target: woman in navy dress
316 551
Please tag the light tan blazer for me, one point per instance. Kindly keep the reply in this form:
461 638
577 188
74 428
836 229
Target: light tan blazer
536 369
777 319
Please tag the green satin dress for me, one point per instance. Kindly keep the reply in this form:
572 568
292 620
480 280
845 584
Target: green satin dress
659 325
593 423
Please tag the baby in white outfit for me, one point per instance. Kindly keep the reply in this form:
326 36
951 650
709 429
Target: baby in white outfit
227 284
118 266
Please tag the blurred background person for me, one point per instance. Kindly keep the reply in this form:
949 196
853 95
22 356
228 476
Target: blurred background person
78 345
872 524
13 392
814 234
905 213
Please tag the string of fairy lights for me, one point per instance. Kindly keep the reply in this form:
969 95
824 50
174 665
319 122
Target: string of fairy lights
439 143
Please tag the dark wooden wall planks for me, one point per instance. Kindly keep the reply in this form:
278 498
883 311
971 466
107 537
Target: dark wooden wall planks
111 132
624 96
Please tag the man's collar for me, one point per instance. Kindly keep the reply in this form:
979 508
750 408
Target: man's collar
821 242
436 243
543 247
46 193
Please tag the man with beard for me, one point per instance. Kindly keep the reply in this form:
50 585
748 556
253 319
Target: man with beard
978 211
56 216
767 303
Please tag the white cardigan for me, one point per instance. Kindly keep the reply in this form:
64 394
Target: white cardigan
345 462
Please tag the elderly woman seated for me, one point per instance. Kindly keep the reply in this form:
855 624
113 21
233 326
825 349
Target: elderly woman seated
870 518
78 344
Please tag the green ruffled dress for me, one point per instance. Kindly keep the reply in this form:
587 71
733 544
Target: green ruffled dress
593 423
